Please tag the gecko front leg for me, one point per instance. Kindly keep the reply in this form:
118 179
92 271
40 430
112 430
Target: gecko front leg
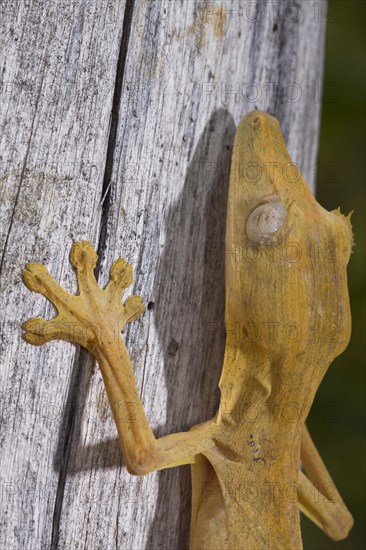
94 319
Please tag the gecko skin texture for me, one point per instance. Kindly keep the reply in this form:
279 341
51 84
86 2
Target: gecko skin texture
287 317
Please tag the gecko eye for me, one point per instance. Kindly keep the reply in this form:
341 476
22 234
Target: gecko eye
264 222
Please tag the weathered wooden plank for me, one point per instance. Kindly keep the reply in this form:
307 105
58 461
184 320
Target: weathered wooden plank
188 71
59 69
166 214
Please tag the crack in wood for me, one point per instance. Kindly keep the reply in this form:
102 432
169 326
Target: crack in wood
108 186
81 359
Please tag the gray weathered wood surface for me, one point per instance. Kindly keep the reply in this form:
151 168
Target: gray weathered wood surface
117 120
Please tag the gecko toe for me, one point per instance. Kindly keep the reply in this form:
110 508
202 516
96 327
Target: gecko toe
34 339
133 307
38 331
83 256
121 273
35 277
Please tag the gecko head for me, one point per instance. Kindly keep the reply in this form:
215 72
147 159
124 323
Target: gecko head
286 256
262 168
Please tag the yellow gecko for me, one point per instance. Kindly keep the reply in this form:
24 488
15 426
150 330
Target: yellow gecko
247 485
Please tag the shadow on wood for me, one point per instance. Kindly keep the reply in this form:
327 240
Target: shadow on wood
192 343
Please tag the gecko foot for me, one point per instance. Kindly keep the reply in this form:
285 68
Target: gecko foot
90 316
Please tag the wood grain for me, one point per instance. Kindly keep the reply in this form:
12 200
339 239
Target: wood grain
137 105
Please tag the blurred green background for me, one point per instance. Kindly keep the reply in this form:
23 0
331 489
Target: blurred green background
337 420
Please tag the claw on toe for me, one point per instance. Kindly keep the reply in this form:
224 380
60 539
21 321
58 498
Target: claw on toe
83 256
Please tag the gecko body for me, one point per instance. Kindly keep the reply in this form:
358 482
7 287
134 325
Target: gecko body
286 315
